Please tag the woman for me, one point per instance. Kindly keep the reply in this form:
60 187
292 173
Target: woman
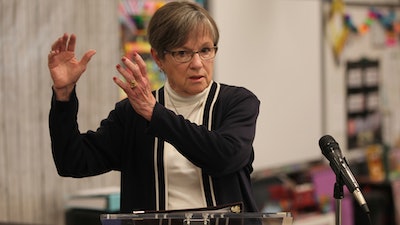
186 145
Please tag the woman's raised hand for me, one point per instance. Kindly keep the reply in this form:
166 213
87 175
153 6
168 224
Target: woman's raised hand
65 69
136 85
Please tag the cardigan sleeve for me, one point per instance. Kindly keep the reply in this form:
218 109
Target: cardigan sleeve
228 146
79 154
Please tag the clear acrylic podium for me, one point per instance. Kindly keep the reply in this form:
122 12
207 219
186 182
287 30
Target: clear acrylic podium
197 218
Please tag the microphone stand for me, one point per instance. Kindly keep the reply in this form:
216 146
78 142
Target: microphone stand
338 195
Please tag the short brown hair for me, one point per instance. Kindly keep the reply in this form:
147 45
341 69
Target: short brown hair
172 24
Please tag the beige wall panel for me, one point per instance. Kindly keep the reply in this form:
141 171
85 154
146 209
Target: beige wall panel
31 190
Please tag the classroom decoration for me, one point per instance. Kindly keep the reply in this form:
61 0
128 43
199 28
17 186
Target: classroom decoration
336 31
388 22
340 25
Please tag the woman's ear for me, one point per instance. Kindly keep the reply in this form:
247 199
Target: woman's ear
157 59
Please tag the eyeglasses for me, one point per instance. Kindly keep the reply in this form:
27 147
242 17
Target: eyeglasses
184 56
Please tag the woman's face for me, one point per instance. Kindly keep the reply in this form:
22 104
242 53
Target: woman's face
192 77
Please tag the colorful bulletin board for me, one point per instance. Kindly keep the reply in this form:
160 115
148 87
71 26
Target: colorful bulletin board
134 16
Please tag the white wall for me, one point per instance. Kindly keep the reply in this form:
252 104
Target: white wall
273 48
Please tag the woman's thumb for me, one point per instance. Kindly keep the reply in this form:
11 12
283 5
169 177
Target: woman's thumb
87 56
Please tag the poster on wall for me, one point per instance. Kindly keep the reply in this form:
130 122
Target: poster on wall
134 16
364 122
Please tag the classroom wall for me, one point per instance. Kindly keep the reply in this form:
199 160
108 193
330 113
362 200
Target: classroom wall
265 53
277 58
30 189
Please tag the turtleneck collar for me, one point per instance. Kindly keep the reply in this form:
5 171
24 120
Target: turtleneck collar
180 101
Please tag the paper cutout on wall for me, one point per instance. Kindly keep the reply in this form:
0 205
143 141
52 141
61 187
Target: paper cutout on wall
336 31
340 25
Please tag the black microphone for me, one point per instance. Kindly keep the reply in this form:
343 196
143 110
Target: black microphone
330 149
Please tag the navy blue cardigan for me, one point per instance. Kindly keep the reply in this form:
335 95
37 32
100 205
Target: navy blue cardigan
126 142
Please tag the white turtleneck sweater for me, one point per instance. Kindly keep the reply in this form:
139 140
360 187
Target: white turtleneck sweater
183 179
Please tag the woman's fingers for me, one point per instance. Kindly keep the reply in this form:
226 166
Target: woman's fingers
120 83
55 45
137 68
136 85
125 73
135 73
71 42
64 43
133 68
140 63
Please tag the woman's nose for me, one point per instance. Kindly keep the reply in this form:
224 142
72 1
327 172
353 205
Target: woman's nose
196 60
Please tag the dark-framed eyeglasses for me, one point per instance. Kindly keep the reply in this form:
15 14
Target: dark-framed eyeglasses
183 56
